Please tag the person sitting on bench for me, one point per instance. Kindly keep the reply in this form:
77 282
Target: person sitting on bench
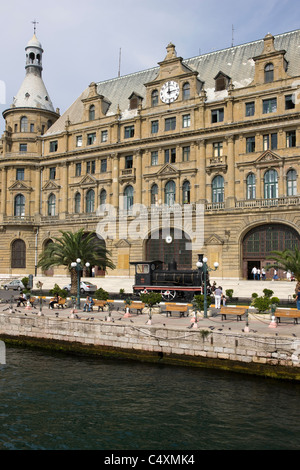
22 299
88 304
54 301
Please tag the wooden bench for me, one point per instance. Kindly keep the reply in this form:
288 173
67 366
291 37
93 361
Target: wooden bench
138 306
100 304
172 308
287 313
59 304
238 311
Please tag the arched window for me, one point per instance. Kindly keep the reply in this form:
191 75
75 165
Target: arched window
18 254
90 201
24 124
186 91
154 194
269 73
251 186
218 189
103 196
19 206
77 203
154 98
128 198
170 193
291 183
271 184
186 192
51 205
92 113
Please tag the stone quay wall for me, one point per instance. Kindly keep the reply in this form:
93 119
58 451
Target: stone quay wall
272 356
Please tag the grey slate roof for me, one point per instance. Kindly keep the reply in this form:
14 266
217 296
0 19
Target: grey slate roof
236 62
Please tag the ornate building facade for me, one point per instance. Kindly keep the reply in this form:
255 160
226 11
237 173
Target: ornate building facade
193 156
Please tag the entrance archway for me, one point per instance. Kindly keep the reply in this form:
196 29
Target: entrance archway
259 243
174 247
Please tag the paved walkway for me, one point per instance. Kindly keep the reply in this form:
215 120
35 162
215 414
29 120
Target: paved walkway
243 289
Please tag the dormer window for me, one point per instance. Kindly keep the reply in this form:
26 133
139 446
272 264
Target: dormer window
92 113
154 98
134 100
269 73
221 81
186 91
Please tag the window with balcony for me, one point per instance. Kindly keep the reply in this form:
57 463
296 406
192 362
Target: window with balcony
218 189
291 183
218 149
170 193
19 205
251 186
128 162
51 205
271 184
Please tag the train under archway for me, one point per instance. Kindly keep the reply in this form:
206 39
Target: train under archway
169 247
258 244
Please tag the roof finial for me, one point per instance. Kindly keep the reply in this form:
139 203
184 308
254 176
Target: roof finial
34 27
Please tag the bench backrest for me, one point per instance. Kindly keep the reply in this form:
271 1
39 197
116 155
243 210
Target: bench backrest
174 307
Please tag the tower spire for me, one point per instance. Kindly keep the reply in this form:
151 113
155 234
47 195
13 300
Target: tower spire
34 25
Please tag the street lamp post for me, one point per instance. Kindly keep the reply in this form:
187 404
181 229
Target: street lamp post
77 265
206 269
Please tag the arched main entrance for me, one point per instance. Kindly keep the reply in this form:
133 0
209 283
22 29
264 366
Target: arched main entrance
176 246
259 243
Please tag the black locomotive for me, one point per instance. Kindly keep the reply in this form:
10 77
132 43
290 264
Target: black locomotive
171 283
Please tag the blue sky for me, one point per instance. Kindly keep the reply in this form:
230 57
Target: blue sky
82 40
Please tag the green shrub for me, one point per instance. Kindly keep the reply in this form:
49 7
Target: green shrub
268 293
151 298
229 293
58 291
25 281
101 294
198 302
262 304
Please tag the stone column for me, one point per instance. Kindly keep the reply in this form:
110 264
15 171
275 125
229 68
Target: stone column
201 175
115 180
4 190
138 177
230 196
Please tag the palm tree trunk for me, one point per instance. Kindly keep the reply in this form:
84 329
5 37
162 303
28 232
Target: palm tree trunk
73 273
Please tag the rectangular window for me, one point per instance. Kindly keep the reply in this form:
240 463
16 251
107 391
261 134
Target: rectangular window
170 124
154 127
129 132
217 115
270 106
31 127
103 166
128 162
104 136
20 174
291 139
270 142
185 154
53 146
78 169
91 138
154 158
218 149
52 172
289 102
250 144
23 147
250 108
170 155
90 167
186 120
79 141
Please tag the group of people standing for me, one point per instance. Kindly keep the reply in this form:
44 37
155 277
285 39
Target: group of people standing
259 275
217 292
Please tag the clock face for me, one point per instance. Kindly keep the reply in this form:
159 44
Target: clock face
169 92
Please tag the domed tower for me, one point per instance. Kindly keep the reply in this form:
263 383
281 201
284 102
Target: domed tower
32 111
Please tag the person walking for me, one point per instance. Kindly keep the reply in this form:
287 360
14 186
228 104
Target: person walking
254 272
218 294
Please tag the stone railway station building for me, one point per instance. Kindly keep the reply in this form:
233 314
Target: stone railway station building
218 134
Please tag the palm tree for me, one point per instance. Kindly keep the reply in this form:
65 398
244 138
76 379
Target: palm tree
288 260
66 249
